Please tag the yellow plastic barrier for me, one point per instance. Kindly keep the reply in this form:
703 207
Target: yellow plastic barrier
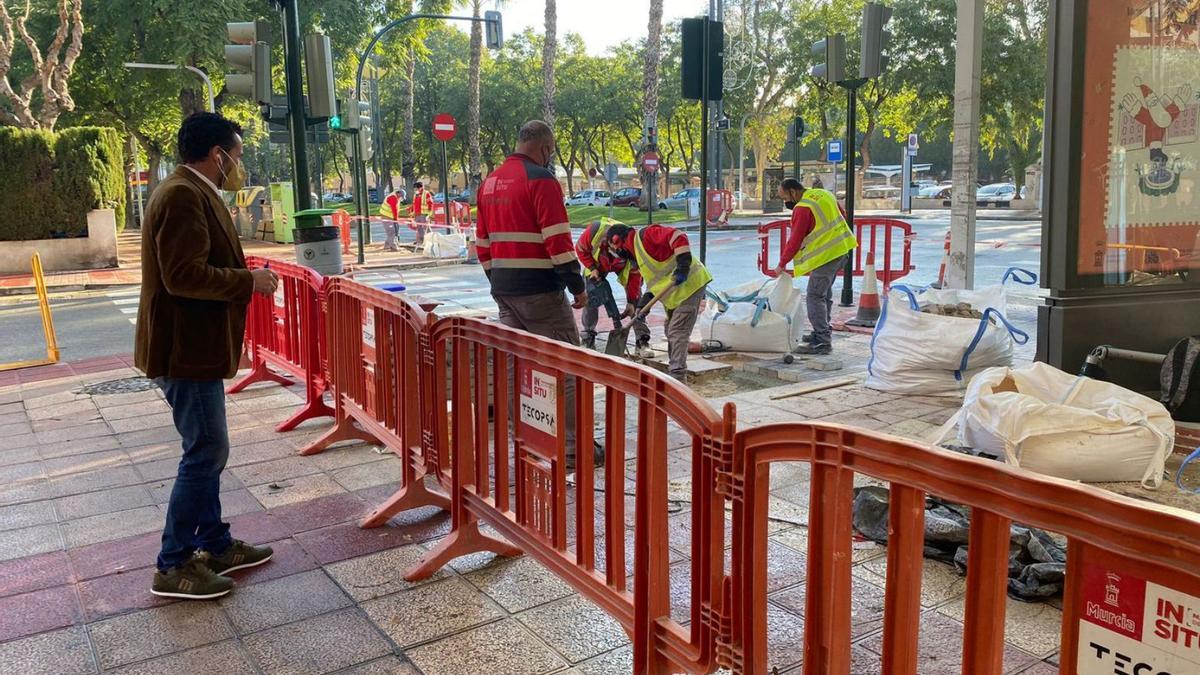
39 281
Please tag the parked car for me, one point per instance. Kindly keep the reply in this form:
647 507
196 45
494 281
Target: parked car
679 200
996 194
464 196
881 192
627 196
590 198
936 191
440 198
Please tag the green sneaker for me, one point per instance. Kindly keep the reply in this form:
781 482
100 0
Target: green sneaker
238 556
191 581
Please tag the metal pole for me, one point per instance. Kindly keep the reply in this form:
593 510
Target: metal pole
297 124
742 159
360 194
320 175
137 168
851 149
445 182
717 11
704 122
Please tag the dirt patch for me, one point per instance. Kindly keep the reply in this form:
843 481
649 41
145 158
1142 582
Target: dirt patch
736 382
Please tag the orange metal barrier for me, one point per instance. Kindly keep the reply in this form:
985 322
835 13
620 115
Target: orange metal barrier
720 205
43 298
382 387
890 263
283 333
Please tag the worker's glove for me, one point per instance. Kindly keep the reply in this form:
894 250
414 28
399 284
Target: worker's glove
644 300
679 277
630 310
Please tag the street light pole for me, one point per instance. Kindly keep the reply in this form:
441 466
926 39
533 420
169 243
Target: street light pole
212 103
742 159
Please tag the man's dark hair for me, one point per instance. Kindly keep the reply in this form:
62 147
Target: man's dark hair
792 184
418 184
203 130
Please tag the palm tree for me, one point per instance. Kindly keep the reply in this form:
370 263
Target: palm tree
650 86
549 52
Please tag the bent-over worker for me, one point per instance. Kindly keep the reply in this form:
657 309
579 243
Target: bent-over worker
599 261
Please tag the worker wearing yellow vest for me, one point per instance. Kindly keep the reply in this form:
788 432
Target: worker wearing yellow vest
819 242
664 259
598 261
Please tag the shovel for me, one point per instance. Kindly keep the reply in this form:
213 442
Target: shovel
618 339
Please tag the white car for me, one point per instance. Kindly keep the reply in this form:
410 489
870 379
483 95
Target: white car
589 198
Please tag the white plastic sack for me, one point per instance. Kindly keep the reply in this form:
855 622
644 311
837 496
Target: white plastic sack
914 352
439 245
755 317
1058 424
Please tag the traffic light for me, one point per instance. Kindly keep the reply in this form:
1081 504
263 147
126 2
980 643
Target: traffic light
318 61
833 50
493 29
366 131
251 54
874 39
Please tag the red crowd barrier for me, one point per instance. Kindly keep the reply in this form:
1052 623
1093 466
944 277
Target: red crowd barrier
890 264
485 410
720 205
284 333
341 220
460 215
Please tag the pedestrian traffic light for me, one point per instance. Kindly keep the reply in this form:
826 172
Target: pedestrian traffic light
874 39
318 61
493 29
366 131
251 54
335 122
833 50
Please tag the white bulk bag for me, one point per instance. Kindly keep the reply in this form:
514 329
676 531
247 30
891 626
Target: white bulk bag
438 245
914 352
766 317
1059 424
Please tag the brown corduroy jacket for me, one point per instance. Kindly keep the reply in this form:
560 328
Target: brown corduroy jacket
195 285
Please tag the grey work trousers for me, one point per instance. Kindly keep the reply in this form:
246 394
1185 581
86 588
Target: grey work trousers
818 300
389 230
680 322
591 315
548 315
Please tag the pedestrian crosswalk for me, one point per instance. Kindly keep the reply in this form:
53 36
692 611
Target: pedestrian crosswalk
126 299
461 292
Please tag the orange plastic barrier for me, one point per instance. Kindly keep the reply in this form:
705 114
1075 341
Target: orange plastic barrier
381 384
892 262
283 333
720 205
341 220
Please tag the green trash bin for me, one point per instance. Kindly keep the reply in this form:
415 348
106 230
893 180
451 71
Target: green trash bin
318 245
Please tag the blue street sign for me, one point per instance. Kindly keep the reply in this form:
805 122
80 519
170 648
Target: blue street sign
834 152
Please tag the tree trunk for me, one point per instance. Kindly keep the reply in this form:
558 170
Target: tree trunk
407 164
473 97
549 53
650 83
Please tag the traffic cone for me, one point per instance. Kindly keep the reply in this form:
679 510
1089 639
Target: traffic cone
868 300
941 282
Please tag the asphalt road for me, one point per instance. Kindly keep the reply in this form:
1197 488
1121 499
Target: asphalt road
100 323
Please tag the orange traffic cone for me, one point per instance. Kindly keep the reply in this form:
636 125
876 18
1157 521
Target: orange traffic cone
868 300
941 282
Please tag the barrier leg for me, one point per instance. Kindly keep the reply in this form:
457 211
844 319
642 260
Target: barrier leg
466 540
343 430
412 496
314 406
987 586
259 372
902 604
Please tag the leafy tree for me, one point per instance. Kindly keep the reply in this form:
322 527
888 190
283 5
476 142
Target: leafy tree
43 93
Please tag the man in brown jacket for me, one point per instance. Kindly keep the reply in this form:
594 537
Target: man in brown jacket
195 290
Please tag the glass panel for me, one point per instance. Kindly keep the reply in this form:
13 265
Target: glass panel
1139 217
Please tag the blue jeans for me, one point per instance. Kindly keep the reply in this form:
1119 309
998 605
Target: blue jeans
194 513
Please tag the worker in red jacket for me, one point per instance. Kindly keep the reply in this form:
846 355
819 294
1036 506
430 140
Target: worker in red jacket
598 262
664 259
523 239
422 208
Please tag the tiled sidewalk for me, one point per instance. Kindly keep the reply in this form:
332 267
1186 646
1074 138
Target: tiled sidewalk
84 480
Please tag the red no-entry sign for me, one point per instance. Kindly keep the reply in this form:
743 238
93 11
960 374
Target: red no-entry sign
650 161
444 126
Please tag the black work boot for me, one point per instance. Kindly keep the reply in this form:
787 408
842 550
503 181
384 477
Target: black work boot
814 349
589 340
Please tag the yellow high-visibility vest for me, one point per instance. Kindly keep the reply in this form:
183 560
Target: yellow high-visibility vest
831 236
598 240
657 275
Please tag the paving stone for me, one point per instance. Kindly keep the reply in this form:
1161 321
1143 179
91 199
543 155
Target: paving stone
939 647
119 593
288 558
384 472
161 489
79 447
321 512
939 581
294 490
574 627
155 632
860 552
866 605
505 646
318 645
30 541
74 433
91 481
1035 627
60 652
154 452
222 658
260 452
278 470
29 490
257 527
40 400
104 501
348 540
33 573
343 456
238 502
617 662
430 611
16 429
142 422
10 456
134 439
519 584
120 555
18 516
378 574
121 412
785 638
16 474
281 601
159 469
388 665
110 526
39 611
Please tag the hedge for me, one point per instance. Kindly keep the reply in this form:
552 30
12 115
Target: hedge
51 180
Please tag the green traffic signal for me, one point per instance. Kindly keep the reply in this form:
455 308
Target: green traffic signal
335 122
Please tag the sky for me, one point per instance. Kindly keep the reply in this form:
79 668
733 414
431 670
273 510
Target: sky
601 23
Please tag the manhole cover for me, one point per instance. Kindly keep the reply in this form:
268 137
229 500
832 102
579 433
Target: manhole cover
125 385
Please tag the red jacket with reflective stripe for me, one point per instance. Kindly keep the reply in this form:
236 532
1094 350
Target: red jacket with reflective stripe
662 242
523 236
605 261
